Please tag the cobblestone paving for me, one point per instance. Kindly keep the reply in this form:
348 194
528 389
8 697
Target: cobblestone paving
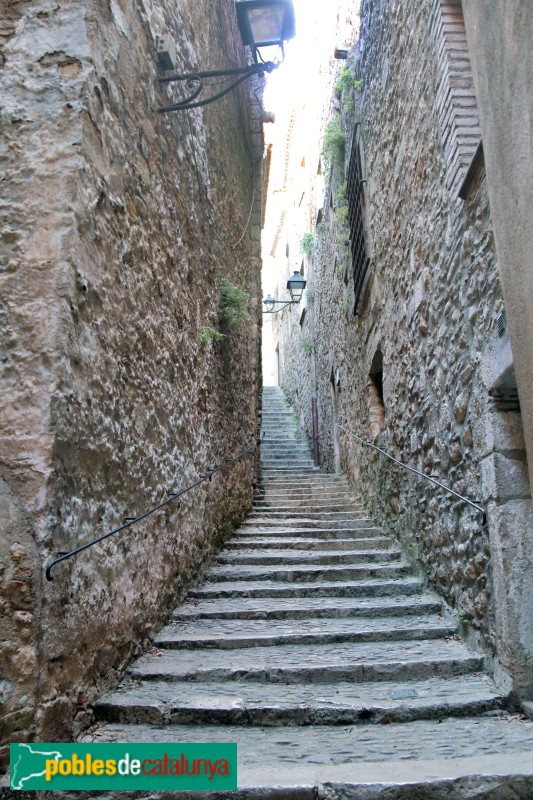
306 704
308 608
252 545
449 738
222 632
378 660
317 588
312 647
259 556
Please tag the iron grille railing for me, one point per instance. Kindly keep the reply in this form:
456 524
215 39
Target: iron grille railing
354 191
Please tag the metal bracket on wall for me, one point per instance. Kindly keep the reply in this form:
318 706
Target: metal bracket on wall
196 82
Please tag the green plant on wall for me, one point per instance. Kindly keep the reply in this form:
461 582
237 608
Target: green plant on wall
207 334
307 244
344 88
334 143
232 311
232 304
341 214
307 346
346 82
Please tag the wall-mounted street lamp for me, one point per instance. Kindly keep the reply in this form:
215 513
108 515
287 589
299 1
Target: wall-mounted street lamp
295 285
262 23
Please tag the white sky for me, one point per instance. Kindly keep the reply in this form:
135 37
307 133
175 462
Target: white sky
315 26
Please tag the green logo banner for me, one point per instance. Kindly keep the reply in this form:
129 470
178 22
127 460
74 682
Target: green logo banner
193 767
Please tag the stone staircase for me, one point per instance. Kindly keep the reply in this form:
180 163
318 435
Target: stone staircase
313 645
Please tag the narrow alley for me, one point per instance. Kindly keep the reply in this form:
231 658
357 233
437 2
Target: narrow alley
266 400
313 645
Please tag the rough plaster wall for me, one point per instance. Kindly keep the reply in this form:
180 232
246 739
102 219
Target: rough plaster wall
431 306
117 224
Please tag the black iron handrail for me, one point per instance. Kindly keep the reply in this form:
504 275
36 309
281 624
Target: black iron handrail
173 496
422 474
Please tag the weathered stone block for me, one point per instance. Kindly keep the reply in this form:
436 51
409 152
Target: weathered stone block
498 431
504 478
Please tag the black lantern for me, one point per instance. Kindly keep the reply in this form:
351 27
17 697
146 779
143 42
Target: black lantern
296 286
262 23
269 304
265 23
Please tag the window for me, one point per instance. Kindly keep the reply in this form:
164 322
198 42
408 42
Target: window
356 205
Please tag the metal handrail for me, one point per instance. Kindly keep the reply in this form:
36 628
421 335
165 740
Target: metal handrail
422 474
172 497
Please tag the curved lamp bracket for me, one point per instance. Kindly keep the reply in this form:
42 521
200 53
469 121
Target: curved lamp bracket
196 82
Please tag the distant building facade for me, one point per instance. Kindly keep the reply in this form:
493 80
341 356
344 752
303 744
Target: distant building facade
405 341
118 224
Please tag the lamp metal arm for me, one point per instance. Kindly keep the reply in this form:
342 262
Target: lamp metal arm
283 304
195 84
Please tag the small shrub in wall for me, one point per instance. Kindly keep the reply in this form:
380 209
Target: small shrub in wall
334 144
345 87
207 334
307 244
307 347
232 304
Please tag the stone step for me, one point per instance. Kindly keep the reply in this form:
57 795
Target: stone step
305 523
279 440
283 472
274 515
305 500
303 608
340 557
321 521
232 634
275 512
297 464
289 457
282 438
302 495
305 573
271 532
262 508
285 455
279 420
288 467
275 589
310 483
302 492
266 507
238 702
485 756
294 663
325 545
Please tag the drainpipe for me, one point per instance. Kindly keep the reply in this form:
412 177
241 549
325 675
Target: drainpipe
314 404
314 416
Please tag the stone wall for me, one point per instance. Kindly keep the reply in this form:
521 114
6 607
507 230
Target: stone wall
117 224
430 311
